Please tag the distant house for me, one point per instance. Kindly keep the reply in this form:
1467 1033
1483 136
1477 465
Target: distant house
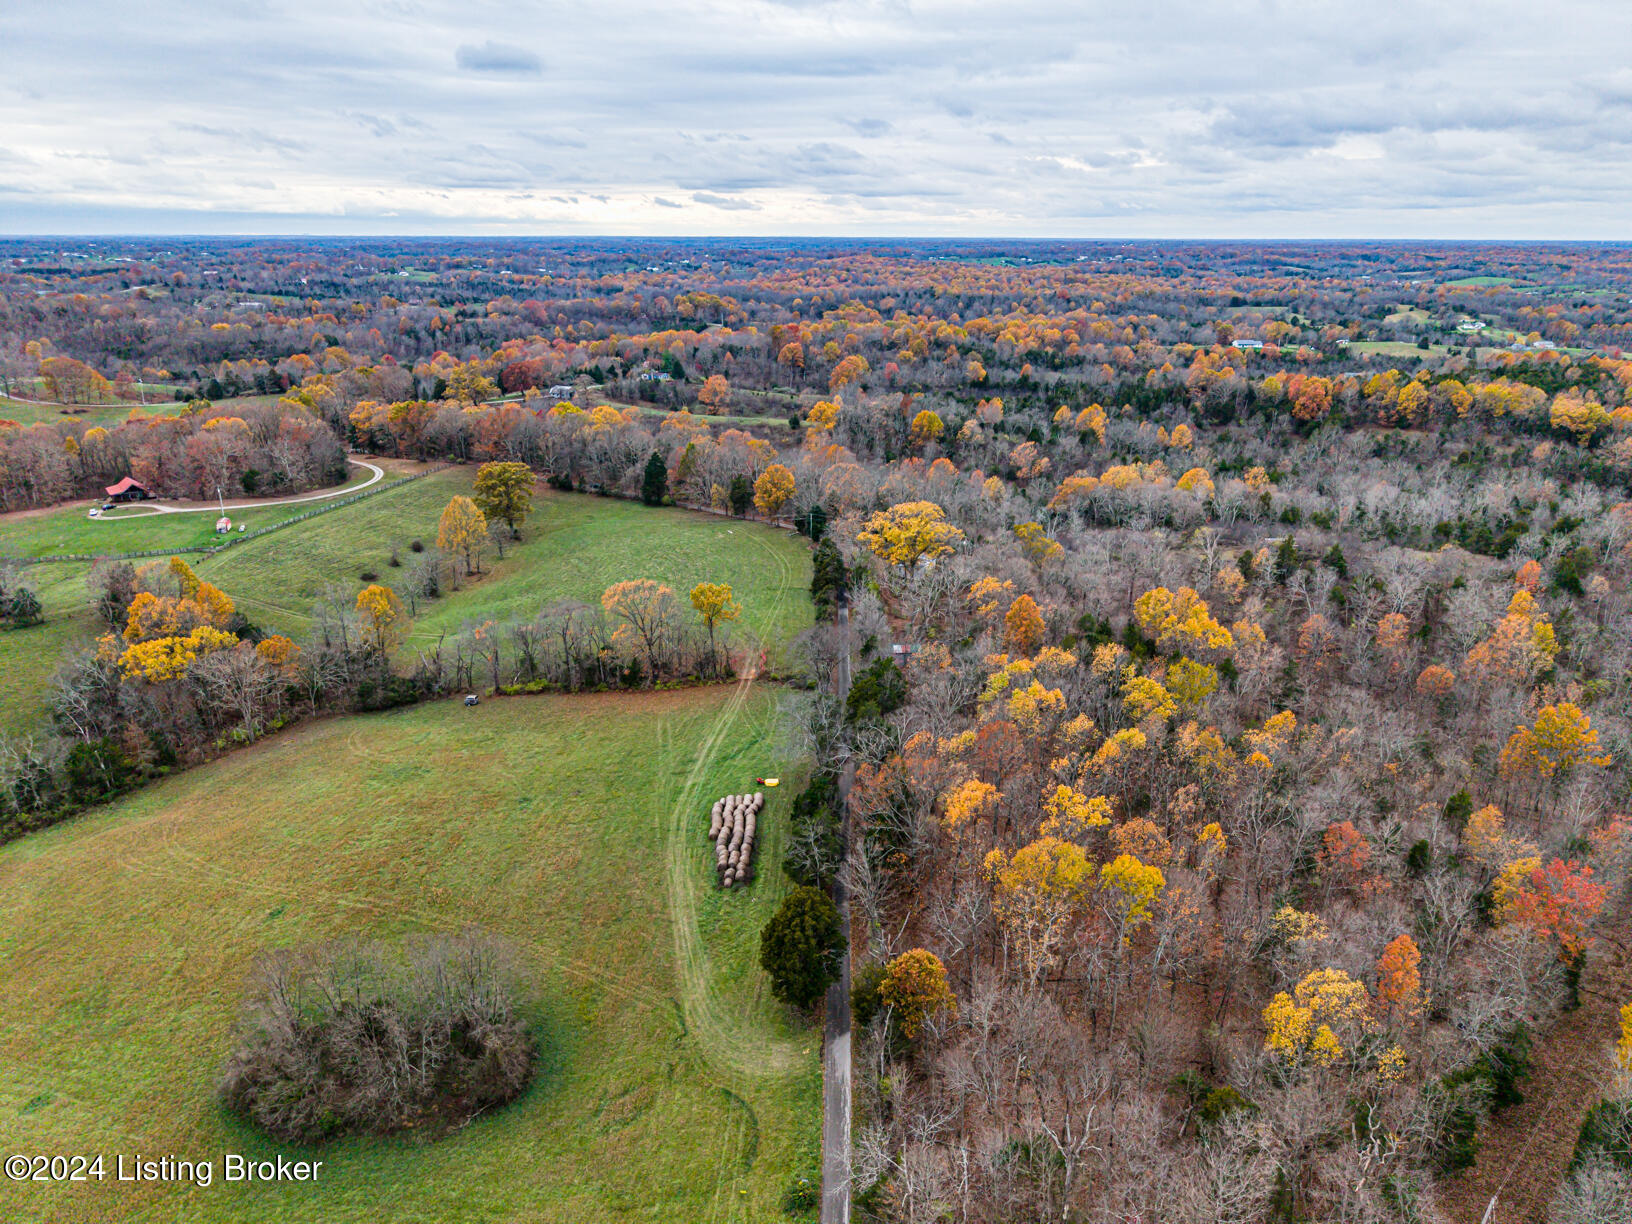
1249 344
1544 346
653 376
1471 325
128 490
223 525
561 391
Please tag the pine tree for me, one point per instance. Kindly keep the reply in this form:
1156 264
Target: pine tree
800 947
654 485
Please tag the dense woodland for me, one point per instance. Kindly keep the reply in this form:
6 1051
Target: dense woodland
1249 795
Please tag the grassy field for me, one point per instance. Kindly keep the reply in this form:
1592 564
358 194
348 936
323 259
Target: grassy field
574 547
26 413
672 1088
135 529
28 657
1394 348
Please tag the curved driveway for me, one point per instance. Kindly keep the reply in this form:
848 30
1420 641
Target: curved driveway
156 508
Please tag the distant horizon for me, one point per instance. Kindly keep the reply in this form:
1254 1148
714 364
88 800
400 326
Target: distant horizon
1037 239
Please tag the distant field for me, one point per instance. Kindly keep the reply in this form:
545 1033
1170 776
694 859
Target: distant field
29 413
1414 314
574 547
1479 282
671 1086
1394 348
25 413
70 530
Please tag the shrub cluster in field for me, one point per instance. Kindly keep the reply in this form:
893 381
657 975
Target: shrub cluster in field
19 605
359 1038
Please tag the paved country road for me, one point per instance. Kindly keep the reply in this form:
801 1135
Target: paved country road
836 1029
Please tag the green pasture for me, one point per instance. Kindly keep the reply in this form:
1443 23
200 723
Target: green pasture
574 547
138 528
670 1086
29 657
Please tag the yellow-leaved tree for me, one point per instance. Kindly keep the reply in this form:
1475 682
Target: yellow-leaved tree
964 805
1034 542
1561 738
715 605
1180 620
915 988
927 427
908 532
773 490
505 491
462 530
1321 1020
381 614
1036 893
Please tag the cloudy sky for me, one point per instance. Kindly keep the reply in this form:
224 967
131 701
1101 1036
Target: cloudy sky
1192 118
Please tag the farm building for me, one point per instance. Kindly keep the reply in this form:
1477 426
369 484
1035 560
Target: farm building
127 490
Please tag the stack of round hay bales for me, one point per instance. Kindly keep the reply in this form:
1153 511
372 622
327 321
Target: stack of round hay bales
731 828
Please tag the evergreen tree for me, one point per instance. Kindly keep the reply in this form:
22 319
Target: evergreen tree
742 495
800 947
654 485
813 522
827 578
1286 560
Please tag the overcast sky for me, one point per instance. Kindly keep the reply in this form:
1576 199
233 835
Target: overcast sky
1184 118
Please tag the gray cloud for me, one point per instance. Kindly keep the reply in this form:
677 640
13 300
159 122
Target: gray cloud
726 202
496 58
1193 118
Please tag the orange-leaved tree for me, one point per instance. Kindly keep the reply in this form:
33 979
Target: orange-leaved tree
1399 982
646 609
1023 625
915 987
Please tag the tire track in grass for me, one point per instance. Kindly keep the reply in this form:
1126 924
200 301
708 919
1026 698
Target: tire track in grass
726 1042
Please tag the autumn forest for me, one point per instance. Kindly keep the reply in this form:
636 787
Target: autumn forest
1215 713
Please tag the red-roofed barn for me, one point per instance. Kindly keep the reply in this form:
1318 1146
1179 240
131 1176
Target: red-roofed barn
128 489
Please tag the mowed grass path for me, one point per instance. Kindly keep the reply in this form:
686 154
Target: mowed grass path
672 1088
